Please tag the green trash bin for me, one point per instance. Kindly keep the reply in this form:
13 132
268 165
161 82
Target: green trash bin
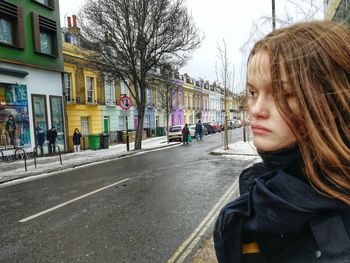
94 141
160 131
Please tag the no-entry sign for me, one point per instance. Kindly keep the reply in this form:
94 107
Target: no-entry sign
125 102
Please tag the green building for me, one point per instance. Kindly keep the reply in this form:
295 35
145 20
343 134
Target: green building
31 63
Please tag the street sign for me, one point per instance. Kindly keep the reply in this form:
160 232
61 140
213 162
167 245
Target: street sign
125 102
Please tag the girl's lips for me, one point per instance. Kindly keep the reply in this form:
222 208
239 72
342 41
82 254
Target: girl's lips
258 129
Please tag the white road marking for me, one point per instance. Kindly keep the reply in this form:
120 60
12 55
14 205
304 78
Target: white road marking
70 201
196 235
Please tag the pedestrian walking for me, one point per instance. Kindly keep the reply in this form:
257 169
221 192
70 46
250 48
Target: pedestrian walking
295 204
51 140
185 134
11 128
199 130
76 140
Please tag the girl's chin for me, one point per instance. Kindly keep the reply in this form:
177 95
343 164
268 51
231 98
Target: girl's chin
266 146
269 146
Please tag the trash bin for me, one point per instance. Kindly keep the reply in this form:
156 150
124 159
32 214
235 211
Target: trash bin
94 141
119 136
160 131
104 140
148 132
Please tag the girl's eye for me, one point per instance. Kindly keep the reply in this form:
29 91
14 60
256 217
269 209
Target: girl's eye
252 93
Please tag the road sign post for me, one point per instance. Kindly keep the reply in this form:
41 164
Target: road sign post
125 103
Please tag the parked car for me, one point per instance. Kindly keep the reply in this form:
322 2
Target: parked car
222 126
209 128
204 129
216 126
175 132
234 123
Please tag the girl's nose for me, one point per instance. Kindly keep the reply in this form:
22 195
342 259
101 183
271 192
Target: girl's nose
259 108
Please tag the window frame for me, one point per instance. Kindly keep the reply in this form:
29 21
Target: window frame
35 117
69 98
43 24
51 98
88 90
14 14
109 91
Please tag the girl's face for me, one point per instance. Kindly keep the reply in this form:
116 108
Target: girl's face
270 131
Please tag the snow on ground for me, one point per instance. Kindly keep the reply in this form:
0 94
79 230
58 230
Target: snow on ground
51 165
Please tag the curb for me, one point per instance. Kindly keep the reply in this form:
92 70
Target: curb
73 166
228 153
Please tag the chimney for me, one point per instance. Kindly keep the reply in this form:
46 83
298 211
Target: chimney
74 21
69 22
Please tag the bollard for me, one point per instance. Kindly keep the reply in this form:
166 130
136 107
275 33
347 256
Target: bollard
35 152
24 157
59 153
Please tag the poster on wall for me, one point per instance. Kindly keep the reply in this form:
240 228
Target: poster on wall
14 117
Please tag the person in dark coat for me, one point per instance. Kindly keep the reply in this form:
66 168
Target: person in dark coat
198 130
76 140
185 134
40 139
51 136
294 206
11 128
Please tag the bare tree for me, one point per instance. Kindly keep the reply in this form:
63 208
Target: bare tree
167 90
225 78
128 39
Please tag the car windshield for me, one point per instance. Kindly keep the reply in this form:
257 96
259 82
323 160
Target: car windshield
175 129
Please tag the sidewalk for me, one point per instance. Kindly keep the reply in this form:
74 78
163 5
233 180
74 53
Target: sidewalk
206 253
50 164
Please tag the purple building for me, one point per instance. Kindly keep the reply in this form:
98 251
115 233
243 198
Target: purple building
177 116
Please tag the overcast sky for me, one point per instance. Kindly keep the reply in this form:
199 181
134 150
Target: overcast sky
225 19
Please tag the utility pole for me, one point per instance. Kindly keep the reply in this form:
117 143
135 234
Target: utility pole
273 15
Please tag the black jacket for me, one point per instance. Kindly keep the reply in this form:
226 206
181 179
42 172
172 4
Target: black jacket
51 136
280 212
76 138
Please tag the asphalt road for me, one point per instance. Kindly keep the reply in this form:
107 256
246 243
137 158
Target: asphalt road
137 209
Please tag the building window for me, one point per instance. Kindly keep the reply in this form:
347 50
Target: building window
109 92
46 43
47 3
45 35
89 89
148 96
121 123
6 31
67 86
85 126
56 110
39 113
124 88
11 25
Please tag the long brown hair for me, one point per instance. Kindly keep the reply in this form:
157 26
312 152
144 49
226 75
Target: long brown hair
316 59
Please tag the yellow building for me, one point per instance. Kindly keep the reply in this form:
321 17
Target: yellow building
84 96
188 95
